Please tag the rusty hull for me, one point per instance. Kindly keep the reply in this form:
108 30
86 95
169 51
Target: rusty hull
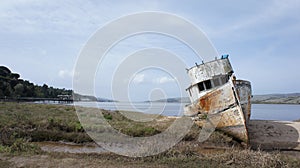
243 91
231 101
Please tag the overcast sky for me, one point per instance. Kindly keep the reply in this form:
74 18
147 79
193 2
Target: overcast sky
41 40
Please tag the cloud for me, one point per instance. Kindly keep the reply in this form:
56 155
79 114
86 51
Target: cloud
274 16
142 78
51 32
65 74
139 78
163 80
77 18
47 17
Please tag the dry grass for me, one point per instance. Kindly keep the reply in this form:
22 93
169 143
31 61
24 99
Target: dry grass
21 123
226 159
248 158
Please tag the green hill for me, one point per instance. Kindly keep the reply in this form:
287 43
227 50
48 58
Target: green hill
12 86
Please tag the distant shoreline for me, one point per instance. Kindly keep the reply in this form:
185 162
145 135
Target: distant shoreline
291 98
275 103
48 101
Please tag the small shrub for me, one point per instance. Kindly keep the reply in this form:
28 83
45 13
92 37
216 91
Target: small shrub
4 149
108 116
21 145
140 131
78 127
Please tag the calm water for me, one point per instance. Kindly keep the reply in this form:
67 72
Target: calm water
259 111
167 109
283 112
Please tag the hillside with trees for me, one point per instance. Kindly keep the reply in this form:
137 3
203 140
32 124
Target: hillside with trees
12 87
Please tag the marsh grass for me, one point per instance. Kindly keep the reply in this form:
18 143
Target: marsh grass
20 146
22 123
45 122
39 122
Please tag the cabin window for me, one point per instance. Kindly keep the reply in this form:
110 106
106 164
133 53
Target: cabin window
208 84
201 86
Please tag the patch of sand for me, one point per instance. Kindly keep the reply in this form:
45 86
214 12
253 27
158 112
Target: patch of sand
270 135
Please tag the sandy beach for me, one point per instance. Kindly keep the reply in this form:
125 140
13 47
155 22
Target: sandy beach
274 135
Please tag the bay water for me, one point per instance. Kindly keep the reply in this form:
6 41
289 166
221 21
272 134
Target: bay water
283 112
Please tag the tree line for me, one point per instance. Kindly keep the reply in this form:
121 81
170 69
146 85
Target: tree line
11 86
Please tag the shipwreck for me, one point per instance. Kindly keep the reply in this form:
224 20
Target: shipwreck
216 93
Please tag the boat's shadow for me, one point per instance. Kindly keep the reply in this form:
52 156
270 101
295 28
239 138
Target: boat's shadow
274 135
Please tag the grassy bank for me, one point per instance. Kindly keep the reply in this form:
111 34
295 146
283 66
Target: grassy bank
39 122
44 122
23 123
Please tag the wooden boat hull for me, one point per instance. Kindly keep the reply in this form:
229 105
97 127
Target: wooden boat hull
229 104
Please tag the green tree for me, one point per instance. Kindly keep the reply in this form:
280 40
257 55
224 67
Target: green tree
38 91
8 92
4 71
12 86
1 93
19 88
45 90
14 76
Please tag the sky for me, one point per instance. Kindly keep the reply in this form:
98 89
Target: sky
42 40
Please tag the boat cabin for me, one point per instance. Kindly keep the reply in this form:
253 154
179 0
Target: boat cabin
208 76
